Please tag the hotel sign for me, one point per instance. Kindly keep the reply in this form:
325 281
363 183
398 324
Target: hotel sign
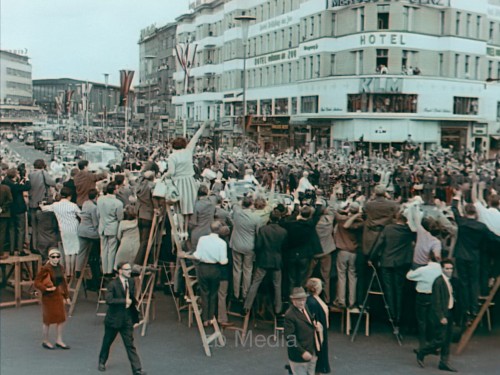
341 3
286 55
382 39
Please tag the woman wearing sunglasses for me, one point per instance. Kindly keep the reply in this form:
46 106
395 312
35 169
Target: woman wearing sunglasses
52 283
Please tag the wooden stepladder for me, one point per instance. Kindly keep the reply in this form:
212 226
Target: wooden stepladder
148 273
191 280
470 331
75 285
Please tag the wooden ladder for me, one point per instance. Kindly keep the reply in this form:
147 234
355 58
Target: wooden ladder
75 291
101 298
470 331
147 276
191 280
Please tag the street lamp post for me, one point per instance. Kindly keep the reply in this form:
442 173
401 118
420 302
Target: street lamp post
245 24
105 106
149 58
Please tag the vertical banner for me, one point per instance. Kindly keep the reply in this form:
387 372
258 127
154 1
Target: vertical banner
67 100
85 94
126 77
59 104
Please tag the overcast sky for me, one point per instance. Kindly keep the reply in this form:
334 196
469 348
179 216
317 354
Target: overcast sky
82 39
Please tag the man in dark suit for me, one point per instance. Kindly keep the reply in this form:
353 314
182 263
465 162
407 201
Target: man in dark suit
269 245
303 242
379 212
5 202
442 304
394 250
301 333
121 316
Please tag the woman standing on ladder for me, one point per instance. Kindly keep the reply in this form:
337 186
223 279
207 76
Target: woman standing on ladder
181 171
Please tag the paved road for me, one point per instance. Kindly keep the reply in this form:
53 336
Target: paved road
28 153
171 347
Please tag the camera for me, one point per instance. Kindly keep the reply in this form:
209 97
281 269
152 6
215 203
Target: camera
22 171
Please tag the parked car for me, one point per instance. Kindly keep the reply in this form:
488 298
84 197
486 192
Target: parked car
9 137
30 140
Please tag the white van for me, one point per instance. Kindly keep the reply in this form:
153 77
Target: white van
98 154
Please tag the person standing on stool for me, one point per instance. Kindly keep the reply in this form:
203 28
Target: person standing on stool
211 251
121 316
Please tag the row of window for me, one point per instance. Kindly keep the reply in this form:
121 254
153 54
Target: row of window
18 86
18 73
366 103
465 24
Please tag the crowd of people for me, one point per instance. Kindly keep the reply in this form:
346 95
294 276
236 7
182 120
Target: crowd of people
428 221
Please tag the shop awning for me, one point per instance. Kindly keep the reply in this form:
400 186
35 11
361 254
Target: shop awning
495 137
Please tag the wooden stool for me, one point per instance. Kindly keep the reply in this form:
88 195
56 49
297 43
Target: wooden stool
16 264
348 321
335 310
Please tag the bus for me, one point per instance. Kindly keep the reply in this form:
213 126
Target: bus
98 154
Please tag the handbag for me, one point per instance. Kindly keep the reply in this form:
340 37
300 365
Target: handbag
165 188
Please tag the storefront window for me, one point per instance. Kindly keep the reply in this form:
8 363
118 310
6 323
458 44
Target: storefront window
252 107
265 107
281 106
294 106
382 103
309 104
465 106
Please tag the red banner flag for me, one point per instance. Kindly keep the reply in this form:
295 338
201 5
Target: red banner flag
126 77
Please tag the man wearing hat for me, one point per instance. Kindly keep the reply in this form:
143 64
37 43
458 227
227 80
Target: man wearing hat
302 336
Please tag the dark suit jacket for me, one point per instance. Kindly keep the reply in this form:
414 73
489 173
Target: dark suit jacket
394 246
379 213
18 205
440 300
303 240
299 334
5 201
118 316
269 245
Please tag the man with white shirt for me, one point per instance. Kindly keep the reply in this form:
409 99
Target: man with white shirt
121 316
425 277
211 251
442 304
304 185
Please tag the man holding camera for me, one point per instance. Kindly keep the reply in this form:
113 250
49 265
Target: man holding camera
41 182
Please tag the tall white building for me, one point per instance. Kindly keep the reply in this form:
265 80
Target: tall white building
16 85
334 72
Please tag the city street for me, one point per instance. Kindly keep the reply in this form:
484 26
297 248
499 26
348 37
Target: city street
28 153
170 347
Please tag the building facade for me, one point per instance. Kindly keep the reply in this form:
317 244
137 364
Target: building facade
329 73
103 105
16 86
156 85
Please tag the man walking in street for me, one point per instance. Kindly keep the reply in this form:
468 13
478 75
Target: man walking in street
121 316
442 304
